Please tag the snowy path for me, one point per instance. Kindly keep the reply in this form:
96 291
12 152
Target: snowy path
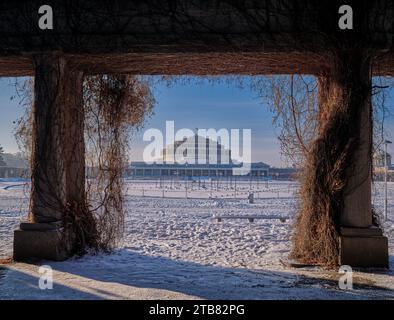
173 250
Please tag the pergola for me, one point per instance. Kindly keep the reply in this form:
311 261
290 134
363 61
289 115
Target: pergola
193 37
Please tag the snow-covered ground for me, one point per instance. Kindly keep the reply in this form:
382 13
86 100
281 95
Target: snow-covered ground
173 249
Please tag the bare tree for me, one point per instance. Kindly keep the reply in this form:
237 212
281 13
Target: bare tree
293 102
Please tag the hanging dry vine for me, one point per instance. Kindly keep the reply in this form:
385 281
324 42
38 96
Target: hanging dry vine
319 121
114 106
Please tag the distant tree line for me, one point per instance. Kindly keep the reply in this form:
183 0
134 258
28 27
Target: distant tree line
2 162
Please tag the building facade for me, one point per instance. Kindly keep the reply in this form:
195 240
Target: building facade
379 159
195 157
11 172
187 171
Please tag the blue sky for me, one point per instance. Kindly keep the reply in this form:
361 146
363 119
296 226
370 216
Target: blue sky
191 105
205 105
9 112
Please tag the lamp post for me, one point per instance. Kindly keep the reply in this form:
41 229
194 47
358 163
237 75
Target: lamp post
386 142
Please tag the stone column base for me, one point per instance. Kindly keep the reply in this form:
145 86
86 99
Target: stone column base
363 248
39 241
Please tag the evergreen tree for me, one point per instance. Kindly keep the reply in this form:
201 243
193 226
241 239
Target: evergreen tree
2 162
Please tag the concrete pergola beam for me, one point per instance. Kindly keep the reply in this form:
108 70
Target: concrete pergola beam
195 37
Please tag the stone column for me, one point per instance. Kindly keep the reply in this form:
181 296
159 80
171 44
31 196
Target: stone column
345 111
74 136
58 167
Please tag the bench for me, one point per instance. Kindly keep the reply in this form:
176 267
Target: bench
250 218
